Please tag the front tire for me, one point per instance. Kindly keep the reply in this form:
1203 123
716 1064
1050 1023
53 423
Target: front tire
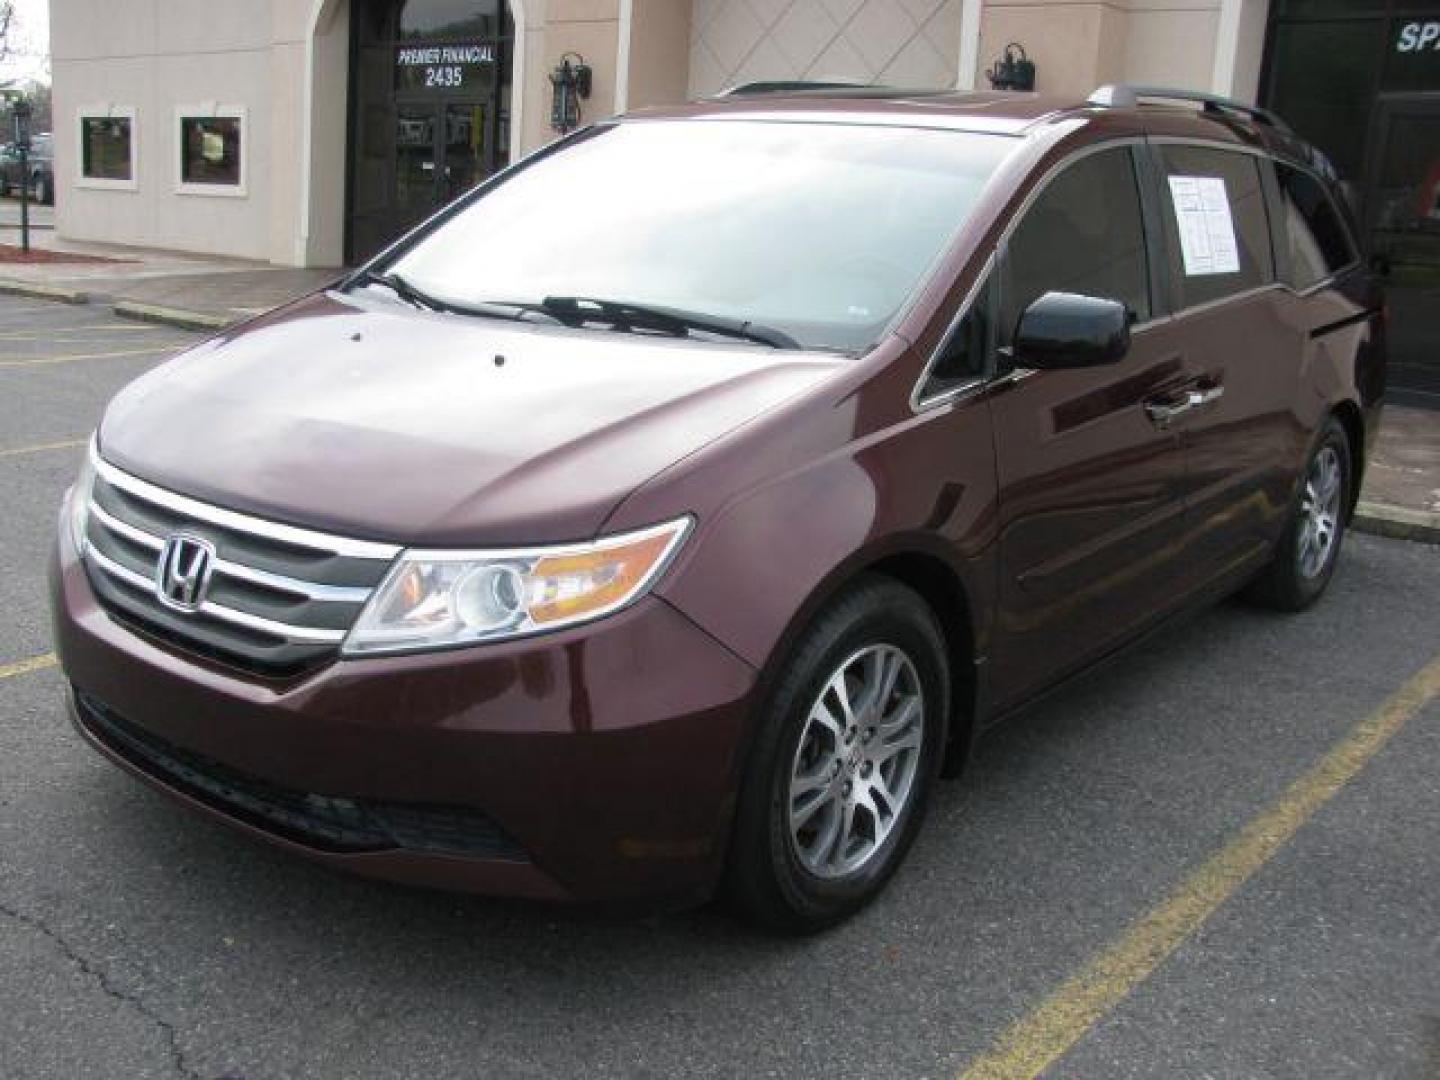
844 760
1305 560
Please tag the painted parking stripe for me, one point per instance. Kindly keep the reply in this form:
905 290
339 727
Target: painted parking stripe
24 667
67 358
1036 1041
36 448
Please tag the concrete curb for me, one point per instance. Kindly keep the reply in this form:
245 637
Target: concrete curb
43 292
167 316
1397 522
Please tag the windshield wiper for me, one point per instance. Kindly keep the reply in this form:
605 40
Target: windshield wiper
418 298
396 284
578 310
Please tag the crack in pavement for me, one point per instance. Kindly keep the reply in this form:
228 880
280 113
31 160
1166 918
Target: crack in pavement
102 979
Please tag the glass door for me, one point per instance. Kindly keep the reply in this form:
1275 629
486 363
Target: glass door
416 181
465 132
1403 219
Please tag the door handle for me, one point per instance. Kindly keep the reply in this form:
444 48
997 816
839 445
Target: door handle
1163 413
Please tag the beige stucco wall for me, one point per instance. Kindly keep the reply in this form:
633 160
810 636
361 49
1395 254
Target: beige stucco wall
286 63
657 61
895 42
1078 45
152 56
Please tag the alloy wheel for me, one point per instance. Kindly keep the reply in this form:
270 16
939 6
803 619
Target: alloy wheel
1319 513
857 760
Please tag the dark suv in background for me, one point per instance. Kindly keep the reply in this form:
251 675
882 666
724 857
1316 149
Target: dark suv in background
39 167
682 536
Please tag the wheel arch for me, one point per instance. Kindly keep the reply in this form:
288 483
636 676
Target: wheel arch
1353 421
915 564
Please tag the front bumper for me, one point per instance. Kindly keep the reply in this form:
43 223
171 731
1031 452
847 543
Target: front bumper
596 764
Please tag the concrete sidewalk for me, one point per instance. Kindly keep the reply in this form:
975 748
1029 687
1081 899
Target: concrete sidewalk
191 291
1402 485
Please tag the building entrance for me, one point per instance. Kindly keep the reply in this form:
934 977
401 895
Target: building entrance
430 108
1361 80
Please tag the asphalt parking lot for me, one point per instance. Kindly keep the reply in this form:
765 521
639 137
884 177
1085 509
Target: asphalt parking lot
1217 858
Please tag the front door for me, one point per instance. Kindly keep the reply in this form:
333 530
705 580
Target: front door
429 110
1402 219
1092 506
440 153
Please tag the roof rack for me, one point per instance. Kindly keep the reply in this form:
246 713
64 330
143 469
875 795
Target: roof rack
791 86
1122 96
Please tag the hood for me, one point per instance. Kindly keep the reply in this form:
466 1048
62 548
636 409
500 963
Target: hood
373 421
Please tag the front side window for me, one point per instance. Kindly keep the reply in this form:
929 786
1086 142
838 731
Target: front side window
1318 242
211 150
819 230
1219 234
1083 234
107 148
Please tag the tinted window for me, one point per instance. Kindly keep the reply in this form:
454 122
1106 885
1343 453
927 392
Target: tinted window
210 150
1316 238
820 230
966 350
1083 234
449 18
106 150
1219 236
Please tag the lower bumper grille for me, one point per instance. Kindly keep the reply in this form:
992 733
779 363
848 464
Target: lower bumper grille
322 822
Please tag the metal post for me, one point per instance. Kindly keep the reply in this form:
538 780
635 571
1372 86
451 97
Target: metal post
25 197
21 112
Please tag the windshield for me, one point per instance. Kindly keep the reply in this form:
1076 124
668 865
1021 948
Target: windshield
820 231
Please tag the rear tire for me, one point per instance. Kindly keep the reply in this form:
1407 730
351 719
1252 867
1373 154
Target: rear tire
1305 559
845 757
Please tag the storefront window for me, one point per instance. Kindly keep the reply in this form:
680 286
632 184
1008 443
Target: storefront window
210 150
450 18
107 149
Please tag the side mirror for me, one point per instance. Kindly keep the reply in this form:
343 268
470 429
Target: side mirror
1065 330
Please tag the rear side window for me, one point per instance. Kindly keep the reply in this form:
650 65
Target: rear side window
1318 243
1219 236
1083 234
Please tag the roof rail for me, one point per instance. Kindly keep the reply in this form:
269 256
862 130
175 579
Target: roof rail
791 86
1122 96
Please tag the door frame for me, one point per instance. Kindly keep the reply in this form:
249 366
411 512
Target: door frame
509 53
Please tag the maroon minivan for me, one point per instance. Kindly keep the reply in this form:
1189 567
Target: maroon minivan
669 513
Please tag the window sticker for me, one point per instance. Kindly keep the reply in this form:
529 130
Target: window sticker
1207 233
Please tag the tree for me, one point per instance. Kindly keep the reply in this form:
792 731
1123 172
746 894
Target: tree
7 18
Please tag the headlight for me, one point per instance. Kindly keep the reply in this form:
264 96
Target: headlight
80 499
431 599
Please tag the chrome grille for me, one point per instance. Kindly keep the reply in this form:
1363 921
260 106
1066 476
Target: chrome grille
280 598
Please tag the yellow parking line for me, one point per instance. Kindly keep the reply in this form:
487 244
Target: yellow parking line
40 361
1034 1042
35 448
24 667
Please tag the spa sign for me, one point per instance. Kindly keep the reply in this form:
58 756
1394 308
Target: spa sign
443 68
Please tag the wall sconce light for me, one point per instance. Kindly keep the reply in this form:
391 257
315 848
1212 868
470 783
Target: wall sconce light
1013 71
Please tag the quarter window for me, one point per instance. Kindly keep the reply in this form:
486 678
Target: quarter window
964 354
1219 235
1084 234
1318 242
